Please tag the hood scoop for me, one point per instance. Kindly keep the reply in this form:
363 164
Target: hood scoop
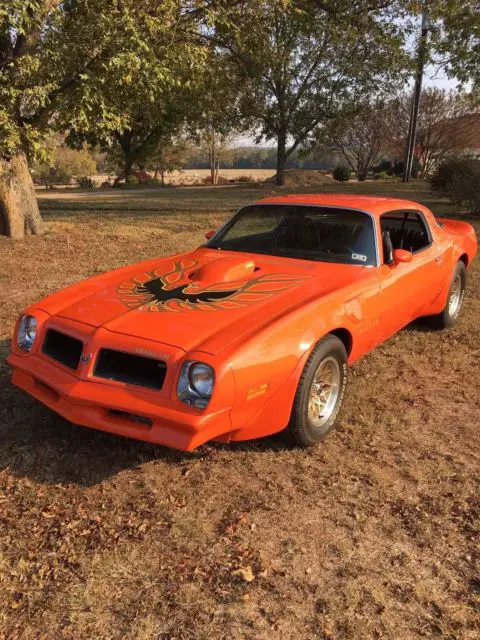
224 270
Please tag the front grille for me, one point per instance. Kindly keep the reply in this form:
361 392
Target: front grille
63 348
130 368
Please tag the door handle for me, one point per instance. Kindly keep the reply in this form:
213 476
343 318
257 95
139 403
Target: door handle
439 259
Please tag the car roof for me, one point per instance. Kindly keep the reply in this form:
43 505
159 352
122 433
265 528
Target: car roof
376 205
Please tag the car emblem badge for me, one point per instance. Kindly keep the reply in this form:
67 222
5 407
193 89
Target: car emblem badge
86 358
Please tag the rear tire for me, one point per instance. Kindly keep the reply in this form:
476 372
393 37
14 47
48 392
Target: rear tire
320 392
448 317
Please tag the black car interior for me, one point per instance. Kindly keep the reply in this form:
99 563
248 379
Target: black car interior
405 230
323 234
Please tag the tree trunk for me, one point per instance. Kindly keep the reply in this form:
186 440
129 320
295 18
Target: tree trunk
19 212
362 174
281 158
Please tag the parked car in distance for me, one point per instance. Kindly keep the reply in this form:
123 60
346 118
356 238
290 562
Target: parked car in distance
251 333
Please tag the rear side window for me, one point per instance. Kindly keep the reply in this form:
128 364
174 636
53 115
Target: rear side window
407 230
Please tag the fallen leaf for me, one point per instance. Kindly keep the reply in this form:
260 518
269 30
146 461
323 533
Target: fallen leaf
245 573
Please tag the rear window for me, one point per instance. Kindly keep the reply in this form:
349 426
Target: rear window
321 234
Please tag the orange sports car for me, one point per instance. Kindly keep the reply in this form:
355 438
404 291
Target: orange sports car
249 334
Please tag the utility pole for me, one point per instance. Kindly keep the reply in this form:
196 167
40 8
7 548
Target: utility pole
412 129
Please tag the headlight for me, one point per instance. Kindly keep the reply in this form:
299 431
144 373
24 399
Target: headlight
196 382
201 379
27 332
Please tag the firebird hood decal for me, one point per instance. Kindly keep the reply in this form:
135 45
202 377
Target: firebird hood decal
174 290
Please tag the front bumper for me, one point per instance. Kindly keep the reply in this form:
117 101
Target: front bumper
96 405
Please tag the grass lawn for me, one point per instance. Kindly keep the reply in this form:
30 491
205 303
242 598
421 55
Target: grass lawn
372 534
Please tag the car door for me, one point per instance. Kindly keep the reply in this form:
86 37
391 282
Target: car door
408 288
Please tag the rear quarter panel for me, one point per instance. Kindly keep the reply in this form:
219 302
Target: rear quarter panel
463 236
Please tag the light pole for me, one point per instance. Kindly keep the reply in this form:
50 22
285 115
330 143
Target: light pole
412 129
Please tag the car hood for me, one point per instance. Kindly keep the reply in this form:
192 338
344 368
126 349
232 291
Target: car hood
202 300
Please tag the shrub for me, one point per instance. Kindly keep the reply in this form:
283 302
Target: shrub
399 168
86 183
64 165
460 180
383 167
221 180
341 174
106 184
131 179
381 175
246 179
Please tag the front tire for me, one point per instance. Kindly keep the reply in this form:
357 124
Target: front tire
448 317
320 392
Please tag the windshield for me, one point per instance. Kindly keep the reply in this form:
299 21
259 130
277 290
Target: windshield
324 234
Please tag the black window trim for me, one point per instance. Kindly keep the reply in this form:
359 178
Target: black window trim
422 217
230 221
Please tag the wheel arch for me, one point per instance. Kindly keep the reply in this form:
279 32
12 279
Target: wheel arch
464 258
344 336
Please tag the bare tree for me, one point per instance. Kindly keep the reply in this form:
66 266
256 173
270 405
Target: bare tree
361 138
444 126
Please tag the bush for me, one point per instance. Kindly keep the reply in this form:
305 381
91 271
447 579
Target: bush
221 180
86 183
246 179
383 167
460 181
106 184
399 168
341 174
131 179
381 175
64 165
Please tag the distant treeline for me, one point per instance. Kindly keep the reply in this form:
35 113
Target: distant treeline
262 158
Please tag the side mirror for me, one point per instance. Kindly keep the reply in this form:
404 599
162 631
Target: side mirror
210 234
400 255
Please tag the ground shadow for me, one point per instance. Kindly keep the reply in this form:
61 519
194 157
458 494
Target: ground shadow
38 444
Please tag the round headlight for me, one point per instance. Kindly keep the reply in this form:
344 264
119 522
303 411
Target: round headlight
201 378
27 332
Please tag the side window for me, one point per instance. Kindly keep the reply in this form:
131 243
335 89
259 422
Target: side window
406 230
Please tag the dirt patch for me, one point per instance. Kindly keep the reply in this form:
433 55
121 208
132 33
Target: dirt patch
303 178
373 534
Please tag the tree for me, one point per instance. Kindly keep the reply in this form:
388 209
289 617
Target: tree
361 138
169 156
217 146
62 62
220 115
306 61
456 39
444 126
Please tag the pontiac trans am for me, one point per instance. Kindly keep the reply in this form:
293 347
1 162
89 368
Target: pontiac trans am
250 334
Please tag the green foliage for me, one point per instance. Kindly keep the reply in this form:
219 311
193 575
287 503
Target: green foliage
96 66
86 183
380 175
383 166
456 39
63 165
341 174
131 179
170 155
459 179
304 62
